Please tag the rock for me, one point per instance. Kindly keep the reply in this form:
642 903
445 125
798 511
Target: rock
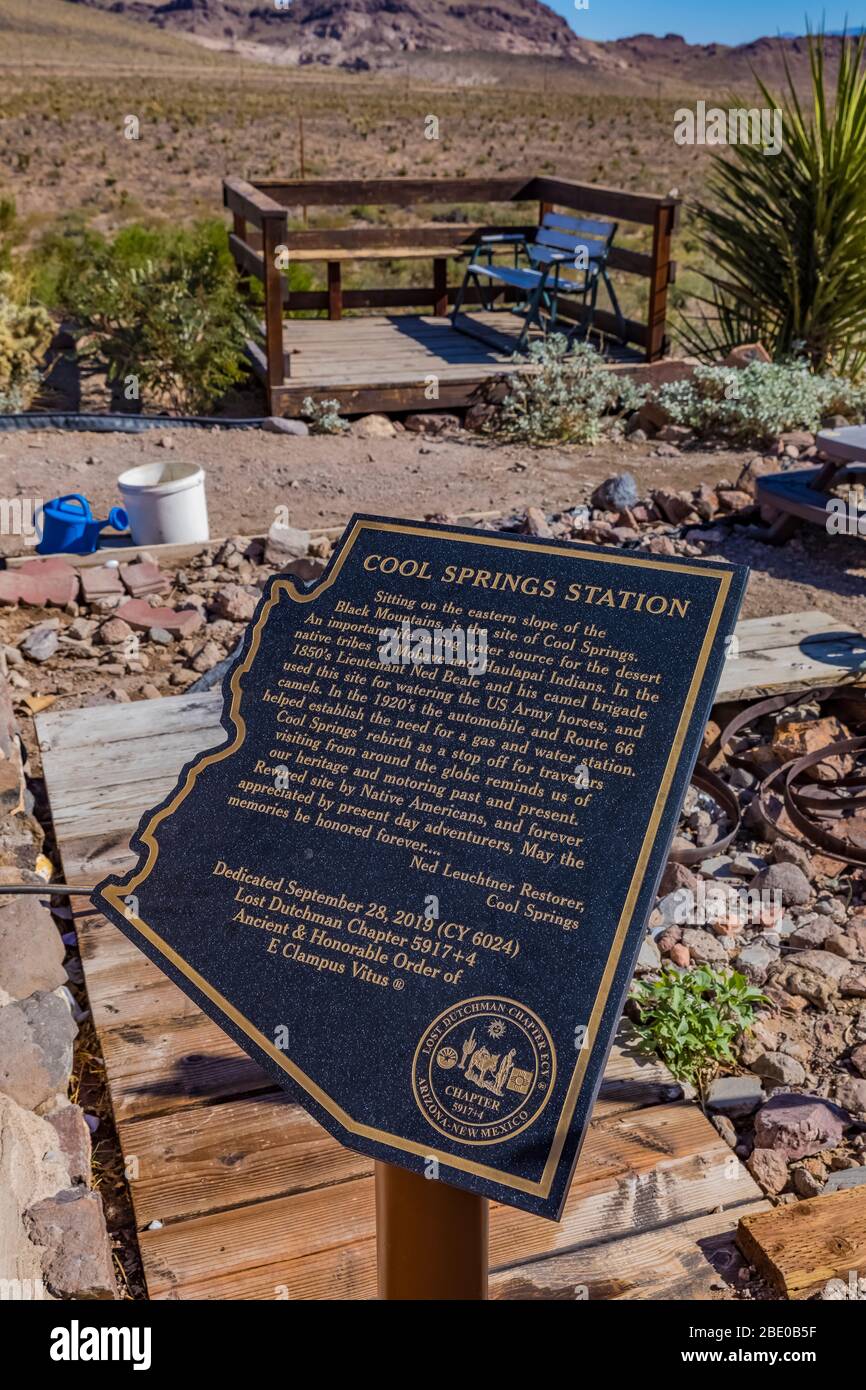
755 960
822 963
676 507
800 984
31 1168
114 631
812 933
161 636
841 1181
235 603
805 1185
681 956
36 1040
31 951
74 1140
143 577
307 567
536 523
704 947
797 1126
677 876
207 656
651 417
649 958
858 1058
39 643
787 880
82 629
853 985
735 1095
748 352
840 944
285 543
430 423
276 424
779 1067
731 500
142 617
373 427
769 1169
787 852
77 1261
851 1093
616 494
726 1129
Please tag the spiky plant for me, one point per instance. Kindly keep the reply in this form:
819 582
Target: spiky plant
786 233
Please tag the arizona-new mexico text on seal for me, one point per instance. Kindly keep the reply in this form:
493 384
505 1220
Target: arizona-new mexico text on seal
483 1071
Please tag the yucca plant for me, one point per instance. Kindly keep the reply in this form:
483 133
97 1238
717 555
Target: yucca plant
786 233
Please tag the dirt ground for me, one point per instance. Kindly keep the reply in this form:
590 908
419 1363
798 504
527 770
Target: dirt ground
323 480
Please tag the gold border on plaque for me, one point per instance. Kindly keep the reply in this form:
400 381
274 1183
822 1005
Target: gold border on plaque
115 893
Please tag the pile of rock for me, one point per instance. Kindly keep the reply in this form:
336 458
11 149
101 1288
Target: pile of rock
793 921
53 1237
137 629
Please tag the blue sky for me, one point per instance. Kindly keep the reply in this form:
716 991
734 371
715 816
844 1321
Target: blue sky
738 21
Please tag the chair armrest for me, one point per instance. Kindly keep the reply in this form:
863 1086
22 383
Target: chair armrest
502 236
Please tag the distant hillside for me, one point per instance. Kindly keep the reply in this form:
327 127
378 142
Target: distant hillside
361 32
369 34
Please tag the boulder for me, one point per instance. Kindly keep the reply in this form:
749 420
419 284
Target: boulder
787 880
769 1169
76 1261
31 950
430 423
736 1096
285 543
73 1135
276 424
36 1040
851 1093
796 1126
744 354
373 427
31 1169
616 494
235 603
40 643
780 1068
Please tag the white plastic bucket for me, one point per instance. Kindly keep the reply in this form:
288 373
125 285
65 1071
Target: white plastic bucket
165 503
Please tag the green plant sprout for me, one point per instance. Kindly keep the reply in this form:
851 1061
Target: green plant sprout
691 1020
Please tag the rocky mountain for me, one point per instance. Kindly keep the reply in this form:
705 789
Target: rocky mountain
361 32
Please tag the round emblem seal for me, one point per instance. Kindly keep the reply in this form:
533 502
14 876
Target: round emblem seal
484 1070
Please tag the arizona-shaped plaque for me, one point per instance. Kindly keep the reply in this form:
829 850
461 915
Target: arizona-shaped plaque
413 881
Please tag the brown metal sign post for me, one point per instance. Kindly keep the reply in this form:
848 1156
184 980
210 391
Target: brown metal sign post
431 1239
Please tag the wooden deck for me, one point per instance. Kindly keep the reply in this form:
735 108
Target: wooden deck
251 1198
386 362
389 376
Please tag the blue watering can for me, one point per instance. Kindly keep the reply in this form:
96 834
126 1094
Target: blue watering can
67 524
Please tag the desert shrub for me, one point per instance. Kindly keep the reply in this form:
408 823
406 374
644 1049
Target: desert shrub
156 307
759 401
692 1019
785 233
323 417
25 332
567 399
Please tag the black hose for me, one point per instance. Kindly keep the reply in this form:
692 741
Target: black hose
122 424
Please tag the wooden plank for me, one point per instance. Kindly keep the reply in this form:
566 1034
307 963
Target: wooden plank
663 230
394 192
685 1262
277 1149
799 1247
248 260
250 202
638 1172
273 236
614 202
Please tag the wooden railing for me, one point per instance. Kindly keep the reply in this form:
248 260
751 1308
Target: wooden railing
264 251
